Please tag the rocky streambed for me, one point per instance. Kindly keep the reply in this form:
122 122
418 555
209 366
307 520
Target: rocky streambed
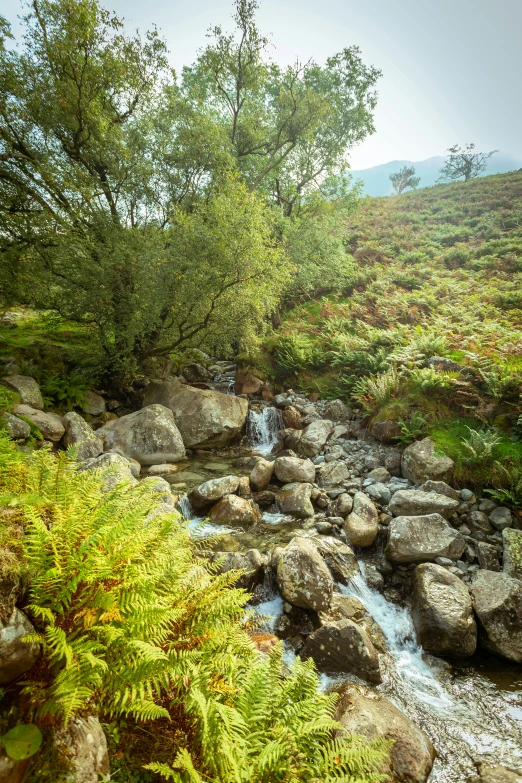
405 590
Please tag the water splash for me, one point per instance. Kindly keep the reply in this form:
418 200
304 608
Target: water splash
264 428
196 524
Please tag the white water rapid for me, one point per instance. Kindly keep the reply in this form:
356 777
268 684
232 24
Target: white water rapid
463 715
264 428
197 526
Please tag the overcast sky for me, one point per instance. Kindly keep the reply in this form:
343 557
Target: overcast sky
451 68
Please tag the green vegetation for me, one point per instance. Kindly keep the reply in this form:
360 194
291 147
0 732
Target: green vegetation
136 627
404 178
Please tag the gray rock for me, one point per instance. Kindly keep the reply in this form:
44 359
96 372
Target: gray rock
261 474
149 436
477 521
93 404
314 438
83 743
303 577
16 657
27 388
117 470
293 469
442 612
233 510
49 424
441 364
251 562
466 494
282 400
338 411
343 646
380 474
419 463
380 493
487 506
79 434
294 499
344 607
488 556
339 557
494 773
364 712
497 601
362 525
196 373
423 538
210 491
386 431
206 419
344 504
501 518
332 474
512 544
441 488
16 428
413 502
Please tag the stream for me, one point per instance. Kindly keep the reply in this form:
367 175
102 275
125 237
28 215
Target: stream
471 710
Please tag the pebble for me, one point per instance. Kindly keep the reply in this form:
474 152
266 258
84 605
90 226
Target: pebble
466 494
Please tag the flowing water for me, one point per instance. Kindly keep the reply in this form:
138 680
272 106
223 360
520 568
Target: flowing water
264 428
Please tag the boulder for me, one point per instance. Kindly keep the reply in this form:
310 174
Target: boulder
339 557
149 436
423 538
379 475
343 646
247 383
337 411
442 612
441 488
16 428
348 607
331 474
261 474
512 544
314 437
210 491
413 503
343 504
365 712
501 518
251 562
494 773
16 657
379 492
206 419
362 525
292 418
294 499
196 373
292 438
497 601
27 389
303 577
233 510
93 404
117 470
49 424
293 469
79 434
419 463
83 743
386 431
488 556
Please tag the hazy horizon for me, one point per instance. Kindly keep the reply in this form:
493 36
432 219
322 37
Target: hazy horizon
450 72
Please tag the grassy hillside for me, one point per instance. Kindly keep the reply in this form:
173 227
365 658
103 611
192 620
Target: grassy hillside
437 272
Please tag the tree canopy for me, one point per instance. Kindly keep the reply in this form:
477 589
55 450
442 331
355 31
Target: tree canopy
464 162
404 178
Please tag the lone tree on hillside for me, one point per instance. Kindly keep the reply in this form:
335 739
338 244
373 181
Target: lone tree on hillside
404 178
464 162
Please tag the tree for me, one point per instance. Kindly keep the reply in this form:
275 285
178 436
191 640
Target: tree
464 162
404 178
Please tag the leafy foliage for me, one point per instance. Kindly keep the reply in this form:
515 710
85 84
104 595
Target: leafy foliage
404 178
464 162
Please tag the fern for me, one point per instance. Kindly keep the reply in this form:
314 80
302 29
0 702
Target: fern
374 391
479 446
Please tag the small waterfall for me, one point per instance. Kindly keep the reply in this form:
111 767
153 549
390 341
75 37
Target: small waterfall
196 525
264 428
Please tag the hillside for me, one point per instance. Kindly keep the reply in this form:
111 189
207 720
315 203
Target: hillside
376 179
436 273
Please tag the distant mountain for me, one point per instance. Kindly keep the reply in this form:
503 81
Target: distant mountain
377 179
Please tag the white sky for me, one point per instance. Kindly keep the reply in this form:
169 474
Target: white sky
452 68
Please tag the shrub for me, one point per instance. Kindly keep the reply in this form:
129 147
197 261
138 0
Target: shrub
479 446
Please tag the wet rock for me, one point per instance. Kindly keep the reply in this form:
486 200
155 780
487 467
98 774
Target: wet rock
161 470
497 601
49 424
117 467
205 419
343 646
314 437
247 383
293 622
339 557
93 404
293 469
385 431
413 502
16 428
261 474
362 525
27 389
16 657
367 713
512 545
149 436
344 607
234 510
441 488
294 500
488 556
303 577
442 612
380 493
84 744
211 491
494 773
79 434
337 411
292 438
251 561
196 373
265 498
331 474
423 538
343 504
501 518
420 464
